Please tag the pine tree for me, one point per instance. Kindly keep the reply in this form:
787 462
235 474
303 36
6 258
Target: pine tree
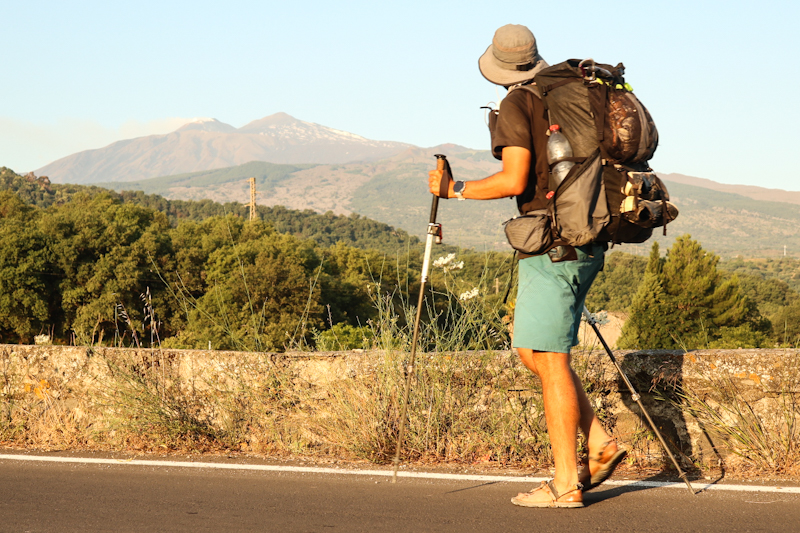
647 326
682 302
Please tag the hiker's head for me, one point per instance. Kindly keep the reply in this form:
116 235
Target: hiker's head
512 57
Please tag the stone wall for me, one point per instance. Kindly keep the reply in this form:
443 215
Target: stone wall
75 381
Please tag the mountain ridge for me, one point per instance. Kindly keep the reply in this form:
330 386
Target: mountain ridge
394 191
303 165
751 191
207 144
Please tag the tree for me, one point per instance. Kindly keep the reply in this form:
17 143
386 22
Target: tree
786 325
25 269
684 302
646 326
616 284
261 289
106 254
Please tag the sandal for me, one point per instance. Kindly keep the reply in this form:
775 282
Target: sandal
546 495
609 458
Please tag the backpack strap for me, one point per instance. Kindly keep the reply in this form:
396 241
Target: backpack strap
546 89
600 112
530 89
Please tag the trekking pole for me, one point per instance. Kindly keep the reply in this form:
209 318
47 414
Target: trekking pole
434 235
592 321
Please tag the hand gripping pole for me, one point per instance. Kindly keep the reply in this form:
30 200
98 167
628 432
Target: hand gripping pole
434 235
592 321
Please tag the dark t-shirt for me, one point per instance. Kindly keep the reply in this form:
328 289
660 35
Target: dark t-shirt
523 122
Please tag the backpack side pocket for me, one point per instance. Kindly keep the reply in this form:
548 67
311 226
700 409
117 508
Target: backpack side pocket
580 206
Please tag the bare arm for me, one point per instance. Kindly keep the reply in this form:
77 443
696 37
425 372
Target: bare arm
511 181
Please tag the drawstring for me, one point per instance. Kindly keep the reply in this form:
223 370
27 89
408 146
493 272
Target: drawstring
510 276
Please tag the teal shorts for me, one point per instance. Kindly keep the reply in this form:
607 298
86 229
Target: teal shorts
550 299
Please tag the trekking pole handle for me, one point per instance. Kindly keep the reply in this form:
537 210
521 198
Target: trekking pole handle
444 185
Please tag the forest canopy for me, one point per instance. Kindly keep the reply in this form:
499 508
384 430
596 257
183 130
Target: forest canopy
85 265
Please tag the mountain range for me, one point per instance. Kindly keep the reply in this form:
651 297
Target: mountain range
205 144
302 165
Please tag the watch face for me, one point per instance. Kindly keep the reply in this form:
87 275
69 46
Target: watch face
458 186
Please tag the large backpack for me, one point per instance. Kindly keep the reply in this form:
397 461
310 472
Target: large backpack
610 194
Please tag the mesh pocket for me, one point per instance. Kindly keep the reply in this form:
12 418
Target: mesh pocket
581 209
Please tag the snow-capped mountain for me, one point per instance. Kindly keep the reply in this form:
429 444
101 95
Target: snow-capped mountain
281 125
207 124
207 143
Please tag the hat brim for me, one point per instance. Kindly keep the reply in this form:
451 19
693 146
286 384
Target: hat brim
498 75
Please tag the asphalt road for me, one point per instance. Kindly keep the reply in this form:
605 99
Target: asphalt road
59 497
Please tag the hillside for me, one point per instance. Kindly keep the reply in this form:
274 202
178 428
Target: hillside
394 191
325 229
750 191
230 184
208 144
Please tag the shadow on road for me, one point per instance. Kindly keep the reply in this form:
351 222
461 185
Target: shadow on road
473 487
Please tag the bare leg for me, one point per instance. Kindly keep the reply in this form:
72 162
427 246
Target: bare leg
596 435
561 410
567 407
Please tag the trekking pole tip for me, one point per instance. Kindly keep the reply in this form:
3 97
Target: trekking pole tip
394 474
688 483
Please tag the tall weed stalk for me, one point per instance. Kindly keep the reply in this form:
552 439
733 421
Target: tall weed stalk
464 407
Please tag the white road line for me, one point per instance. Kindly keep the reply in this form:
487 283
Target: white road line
385 473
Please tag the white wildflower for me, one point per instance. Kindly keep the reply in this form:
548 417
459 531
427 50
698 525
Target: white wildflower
444 261
469 295
448 263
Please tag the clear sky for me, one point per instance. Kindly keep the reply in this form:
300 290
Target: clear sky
719 77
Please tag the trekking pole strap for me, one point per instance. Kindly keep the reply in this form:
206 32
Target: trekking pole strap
447 176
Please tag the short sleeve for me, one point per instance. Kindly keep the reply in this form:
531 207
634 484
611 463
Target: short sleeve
513 124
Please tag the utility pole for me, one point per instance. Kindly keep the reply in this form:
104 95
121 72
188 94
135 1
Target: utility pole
252 198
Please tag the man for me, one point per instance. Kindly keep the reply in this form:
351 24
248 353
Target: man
553 286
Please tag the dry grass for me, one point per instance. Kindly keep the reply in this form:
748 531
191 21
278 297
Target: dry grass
463 408
143 398
466 408
40 412
761 435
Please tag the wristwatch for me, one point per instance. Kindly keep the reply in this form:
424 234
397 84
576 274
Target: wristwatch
458 189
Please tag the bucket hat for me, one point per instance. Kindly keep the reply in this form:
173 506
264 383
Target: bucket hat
512 57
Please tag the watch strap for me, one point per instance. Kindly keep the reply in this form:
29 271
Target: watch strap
461 187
